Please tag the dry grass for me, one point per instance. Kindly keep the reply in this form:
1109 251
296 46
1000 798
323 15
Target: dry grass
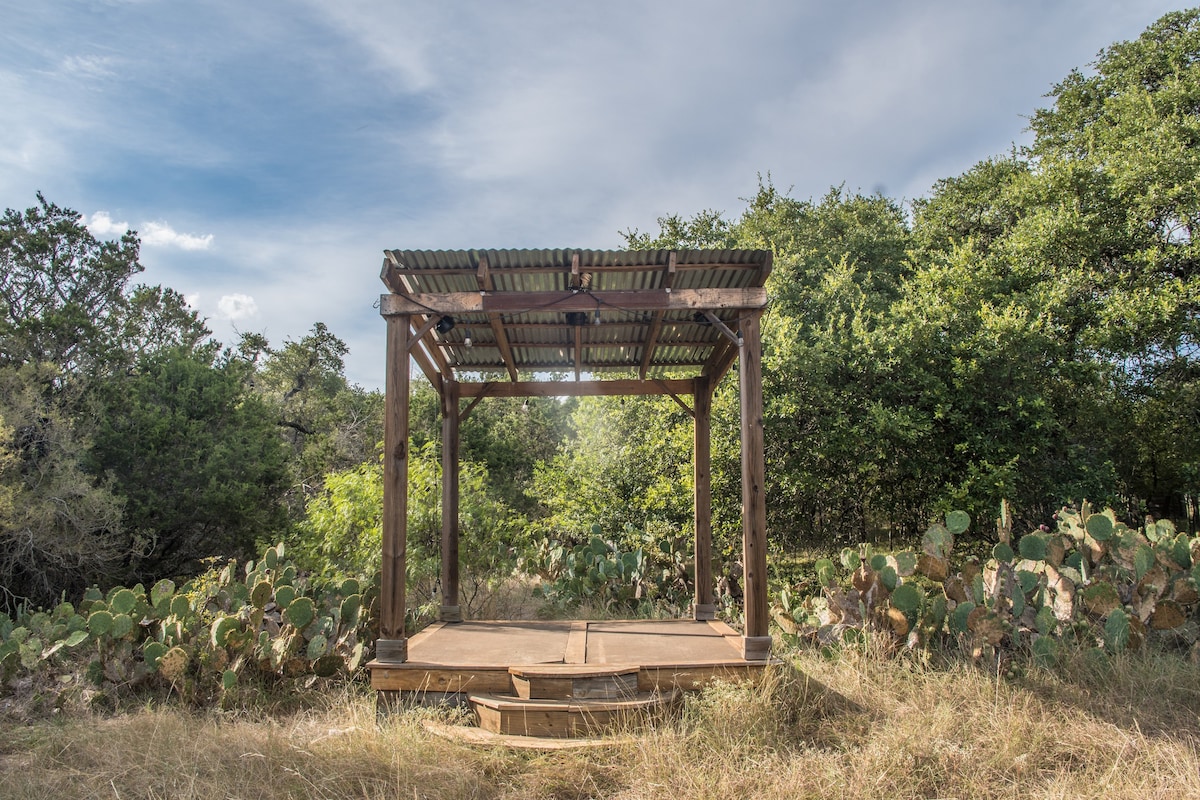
861 726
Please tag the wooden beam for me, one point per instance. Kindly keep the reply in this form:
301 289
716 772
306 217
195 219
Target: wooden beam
391 273
466 412
424 329
675 397
427 366
656 323
566 364
756 643
483 277
626 387
719 361
434 348
392 645
724 330
704 608
450 610
521 302
605 344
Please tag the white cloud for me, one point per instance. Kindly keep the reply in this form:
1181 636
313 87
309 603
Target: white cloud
160 234
153 234
237 306
101 224
192 300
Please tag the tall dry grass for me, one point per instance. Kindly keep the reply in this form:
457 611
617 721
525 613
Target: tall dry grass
859 726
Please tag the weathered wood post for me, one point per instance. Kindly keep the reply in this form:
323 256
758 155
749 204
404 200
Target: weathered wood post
450 610
704 607
392 646
756 643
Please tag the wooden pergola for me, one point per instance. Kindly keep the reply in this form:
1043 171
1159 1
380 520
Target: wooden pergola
501 323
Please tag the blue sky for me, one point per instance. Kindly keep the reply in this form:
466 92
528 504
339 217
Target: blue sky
268 152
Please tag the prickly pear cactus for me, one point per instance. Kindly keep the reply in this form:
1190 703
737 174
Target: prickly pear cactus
202 639
1093 578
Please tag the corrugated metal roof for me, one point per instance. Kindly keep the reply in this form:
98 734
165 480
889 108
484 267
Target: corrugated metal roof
541 338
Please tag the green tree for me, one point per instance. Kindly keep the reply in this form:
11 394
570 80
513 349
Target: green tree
627 464
196 458
342 531
327 425
60 529
69 327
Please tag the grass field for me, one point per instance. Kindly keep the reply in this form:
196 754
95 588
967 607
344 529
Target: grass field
859 726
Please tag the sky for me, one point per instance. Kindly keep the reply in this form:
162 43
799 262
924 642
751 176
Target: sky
267 152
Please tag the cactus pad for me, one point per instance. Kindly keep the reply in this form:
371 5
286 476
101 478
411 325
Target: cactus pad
260 595
122 626
937 541
173 664
957 522
284 595
351 610
907 598
317 647
327 666
162 592
1100 598
300 612
1033 547
1099 527
100 623
1116 631
122 601
222 629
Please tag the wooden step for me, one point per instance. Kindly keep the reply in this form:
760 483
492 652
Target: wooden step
575 681
515 716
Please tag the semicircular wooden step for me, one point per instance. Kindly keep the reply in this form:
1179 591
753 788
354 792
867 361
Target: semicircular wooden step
517 716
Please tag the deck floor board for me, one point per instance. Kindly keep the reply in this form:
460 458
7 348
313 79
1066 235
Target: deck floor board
476 655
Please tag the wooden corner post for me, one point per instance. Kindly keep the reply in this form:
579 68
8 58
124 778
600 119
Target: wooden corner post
756 643
704 607
392 646
450 610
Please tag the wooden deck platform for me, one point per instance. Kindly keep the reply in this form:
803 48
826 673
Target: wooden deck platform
449 659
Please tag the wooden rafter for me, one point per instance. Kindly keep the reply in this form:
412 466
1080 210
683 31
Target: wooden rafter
483 277
656 322
427 366
578 351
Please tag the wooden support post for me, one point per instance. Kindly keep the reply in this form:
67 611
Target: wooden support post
450 610
392 646
756 641
704 608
